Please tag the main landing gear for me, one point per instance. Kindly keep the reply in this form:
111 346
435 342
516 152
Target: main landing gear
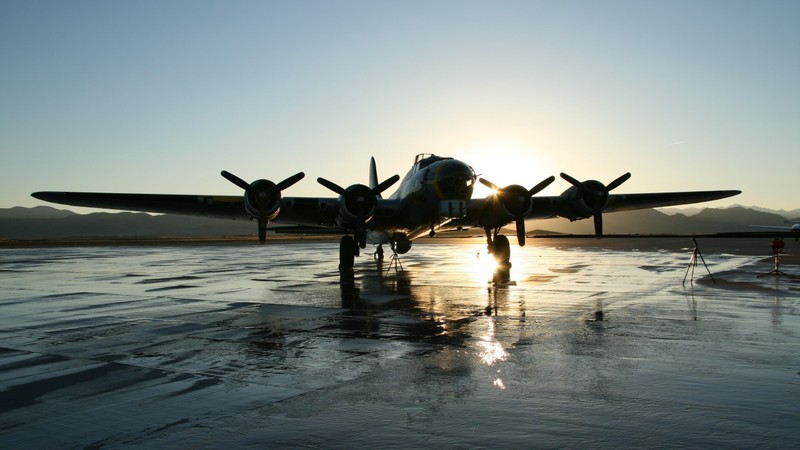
348 250
498 246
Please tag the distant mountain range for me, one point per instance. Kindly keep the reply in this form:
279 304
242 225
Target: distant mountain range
736 219
43 222
692 210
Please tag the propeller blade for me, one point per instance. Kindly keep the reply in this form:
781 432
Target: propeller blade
489 184
615 184
521 231
262 229
361 229
598 224
571 180
290 181
386 184
332 186
546 182
235 180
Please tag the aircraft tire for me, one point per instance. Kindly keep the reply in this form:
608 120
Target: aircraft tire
502 249
347 252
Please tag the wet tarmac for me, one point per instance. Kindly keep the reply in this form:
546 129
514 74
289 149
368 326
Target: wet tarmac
594 344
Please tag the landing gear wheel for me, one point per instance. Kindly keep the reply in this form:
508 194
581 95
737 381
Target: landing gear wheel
502 254
501 249
347 252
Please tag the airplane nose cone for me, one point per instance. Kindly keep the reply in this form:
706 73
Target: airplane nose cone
456 180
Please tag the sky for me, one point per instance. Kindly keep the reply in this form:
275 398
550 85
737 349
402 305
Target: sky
160 96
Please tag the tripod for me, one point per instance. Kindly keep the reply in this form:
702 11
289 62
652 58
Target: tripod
693 263
777 270
394 261
777 251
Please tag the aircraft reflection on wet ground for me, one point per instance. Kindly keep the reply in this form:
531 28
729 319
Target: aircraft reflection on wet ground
592 344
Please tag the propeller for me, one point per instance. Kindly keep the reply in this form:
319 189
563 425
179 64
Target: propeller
595 196
262 197
359 200
517 201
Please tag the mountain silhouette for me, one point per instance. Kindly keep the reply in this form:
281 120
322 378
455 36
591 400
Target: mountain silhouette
37 212
41 224
651 221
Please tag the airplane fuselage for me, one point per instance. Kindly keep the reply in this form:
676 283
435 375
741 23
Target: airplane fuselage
434 192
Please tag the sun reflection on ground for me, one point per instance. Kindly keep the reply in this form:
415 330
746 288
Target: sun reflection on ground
491 350
482 266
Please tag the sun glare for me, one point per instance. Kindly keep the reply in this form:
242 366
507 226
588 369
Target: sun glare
504 163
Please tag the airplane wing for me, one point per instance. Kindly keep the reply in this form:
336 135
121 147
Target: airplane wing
628 202
296 214
314 211
794 229
308 212
772 227
215 206
547 207
262 201
579 202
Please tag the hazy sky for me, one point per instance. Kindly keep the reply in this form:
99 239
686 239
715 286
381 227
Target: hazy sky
159 96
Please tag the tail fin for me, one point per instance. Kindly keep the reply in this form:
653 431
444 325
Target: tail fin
373 175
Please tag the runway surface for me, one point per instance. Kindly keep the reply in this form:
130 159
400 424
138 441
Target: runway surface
594 344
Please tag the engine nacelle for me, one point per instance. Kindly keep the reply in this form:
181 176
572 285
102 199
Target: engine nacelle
581 202
263 199
359 203
516 200
506 205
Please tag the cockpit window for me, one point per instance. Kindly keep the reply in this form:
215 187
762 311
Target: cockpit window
455 186
424 160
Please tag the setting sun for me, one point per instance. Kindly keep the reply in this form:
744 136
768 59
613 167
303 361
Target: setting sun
506 162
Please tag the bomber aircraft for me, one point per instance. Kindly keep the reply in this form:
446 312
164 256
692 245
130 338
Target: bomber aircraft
436 194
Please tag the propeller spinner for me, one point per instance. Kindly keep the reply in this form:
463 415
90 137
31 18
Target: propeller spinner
595 196
262 197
